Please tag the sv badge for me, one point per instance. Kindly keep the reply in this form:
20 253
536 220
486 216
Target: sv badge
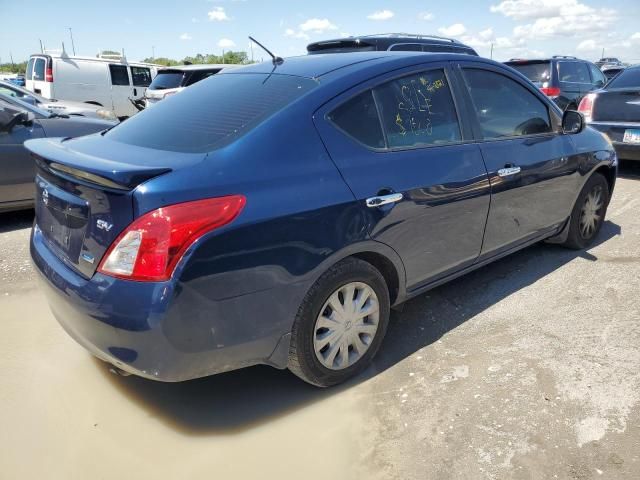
104 225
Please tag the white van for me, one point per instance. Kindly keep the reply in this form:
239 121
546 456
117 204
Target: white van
109 81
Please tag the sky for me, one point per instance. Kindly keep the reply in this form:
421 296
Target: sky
516 28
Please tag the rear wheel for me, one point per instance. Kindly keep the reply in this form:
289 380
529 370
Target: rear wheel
588 213
340 324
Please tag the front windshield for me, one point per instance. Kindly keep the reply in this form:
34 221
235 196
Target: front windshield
16 102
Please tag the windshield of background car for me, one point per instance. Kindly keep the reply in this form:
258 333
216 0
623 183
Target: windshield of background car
537 72
212 113
629 78
165 80
20 105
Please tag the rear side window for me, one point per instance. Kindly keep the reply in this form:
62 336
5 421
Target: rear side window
573 72
537 72
119 75
141 76
597 77
38 71
504 107
418 110
211 114
29 72
195 77
628 78
358 118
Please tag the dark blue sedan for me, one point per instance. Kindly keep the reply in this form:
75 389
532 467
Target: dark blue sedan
274 214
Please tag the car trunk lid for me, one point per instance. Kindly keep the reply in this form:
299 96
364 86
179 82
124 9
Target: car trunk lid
82 201
619 105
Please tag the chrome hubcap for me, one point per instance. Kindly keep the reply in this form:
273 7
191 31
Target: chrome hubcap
591 212
346 326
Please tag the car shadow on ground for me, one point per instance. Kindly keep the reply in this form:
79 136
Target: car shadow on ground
236 401
10 221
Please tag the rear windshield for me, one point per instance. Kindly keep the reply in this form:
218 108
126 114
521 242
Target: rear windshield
166 80
537 72
629 78
30 68
211 113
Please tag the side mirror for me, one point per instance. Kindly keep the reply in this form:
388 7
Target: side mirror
572 122
9 121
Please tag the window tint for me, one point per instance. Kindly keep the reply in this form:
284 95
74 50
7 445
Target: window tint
195 77
504 107
629 77
418 110
537 72
358 117
167 79
29 72
119 75
597 76
38 72
211 114
574 72
141 76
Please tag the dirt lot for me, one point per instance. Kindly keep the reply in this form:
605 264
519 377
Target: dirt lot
526 369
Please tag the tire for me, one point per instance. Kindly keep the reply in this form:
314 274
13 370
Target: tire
579 236
326 366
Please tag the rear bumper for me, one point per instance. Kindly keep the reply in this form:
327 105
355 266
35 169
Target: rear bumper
615 132
161 331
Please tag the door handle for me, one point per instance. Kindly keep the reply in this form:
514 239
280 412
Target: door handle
508 171
135 92
380 200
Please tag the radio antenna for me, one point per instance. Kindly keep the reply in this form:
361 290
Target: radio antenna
276 60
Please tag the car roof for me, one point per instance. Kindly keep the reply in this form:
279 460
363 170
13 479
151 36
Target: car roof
199 66
340 64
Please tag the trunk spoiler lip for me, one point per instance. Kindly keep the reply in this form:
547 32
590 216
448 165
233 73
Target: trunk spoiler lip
54 156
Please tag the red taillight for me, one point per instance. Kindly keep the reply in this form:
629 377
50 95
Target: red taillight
48 75
150 248
586 106
550 91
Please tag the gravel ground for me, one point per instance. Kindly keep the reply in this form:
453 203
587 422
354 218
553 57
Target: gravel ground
526 369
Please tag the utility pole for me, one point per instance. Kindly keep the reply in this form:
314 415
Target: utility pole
73 45
491 51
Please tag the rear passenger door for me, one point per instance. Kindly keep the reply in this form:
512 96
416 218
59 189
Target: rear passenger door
533 175
402 149
121 90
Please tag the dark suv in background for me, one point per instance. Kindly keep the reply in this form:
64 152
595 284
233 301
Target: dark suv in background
563 79
393 42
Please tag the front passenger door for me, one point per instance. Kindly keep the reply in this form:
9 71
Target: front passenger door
532 171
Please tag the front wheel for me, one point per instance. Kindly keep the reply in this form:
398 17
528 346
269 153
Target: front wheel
588 213
340 324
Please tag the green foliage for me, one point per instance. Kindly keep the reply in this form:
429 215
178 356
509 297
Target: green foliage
229 57
13 67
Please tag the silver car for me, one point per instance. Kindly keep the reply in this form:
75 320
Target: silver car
61 107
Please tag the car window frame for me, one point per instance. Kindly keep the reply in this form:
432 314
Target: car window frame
379 80
555 114
592 68
139 67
